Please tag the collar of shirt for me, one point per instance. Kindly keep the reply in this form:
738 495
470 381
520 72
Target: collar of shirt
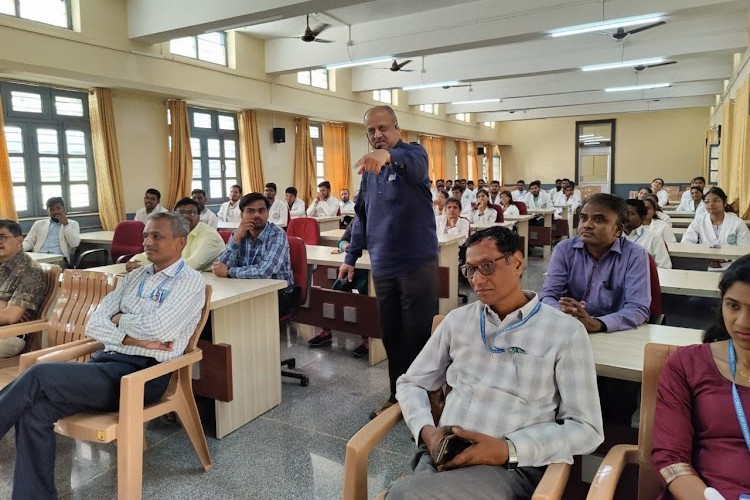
515 316
636 233
170 271
16 260
616 246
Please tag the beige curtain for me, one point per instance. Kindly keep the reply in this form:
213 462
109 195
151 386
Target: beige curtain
476 171
304 165
7 205
251 164
739 188
109 188
435 147
488 155
180 160
404 136
462 150
336 158
725 155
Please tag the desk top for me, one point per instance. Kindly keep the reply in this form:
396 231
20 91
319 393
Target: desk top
620 354
681 215
487 225
98 237
227 225
46 258
691 283
320 219
322 256
226 291
518 218
541 211
706 252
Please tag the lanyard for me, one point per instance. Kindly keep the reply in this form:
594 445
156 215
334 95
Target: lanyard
482 328
735 395
156 294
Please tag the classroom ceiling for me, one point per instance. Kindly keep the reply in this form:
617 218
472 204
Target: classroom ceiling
500 52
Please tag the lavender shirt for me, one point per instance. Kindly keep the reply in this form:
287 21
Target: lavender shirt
616 288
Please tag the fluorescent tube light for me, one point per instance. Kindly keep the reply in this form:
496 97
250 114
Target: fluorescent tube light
360 62
622 22
585 136
478 101
638 87
430 85
590 143
624 64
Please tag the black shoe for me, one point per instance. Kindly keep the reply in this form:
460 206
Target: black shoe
321 339
380 410
361 351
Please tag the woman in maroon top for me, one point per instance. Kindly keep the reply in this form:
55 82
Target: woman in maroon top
698 440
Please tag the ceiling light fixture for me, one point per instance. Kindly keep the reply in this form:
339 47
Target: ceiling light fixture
624 64
639 87
430 85
360 62
622 22
477 101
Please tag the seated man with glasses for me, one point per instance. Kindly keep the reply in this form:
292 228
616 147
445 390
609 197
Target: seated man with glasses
523 386
204 243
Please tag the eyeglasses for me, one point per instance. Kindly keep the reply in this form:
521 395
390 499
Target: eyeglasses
5 237
486 268
187 213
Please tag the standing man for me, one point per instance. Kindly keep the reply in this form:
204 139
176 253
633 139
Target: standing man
150 205
324 205
394 206
230 210
279 211
58 234
207 216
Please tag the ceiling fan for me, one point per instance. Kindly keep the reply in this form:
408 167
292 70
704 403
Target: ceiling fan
311 35
397 66
620 34
641 67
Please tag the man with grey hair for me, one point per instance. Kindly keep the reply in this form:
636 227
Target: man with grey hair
395 206
148 319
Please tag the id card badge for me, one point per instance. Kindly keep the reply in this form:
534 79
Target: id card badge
160 295
391 177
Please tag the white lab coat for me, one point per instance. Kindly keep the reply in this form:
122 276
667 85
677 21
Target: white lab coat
209 218
541 201
653 244
489 215
663 229
663 197
298 208
733 231
518 195
462 227
328 208
279 213
143 216
229 213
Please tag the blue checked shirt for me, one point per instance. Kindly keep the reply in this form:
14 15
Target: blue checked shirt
543 396
266 257
164 306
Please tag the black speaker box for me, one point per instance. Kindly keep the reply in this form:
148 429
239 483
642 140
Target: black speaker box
480 151
279 135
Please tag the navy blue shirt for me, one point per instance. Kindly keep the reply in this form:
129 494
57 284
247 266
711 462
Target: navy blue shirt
395 221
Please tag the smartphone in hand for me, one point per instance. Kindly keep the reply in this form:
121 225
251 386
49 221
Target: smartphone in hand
450 446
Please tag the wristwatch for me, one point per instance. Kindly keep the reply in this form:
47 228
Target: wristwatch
512 455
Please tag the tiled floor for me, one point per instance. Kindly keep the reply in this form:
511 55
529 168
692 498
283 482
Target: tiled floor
295 451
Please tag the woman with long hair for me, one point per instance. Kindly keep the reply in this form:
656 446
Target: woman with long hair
506 201
657 186
718 226
483 213
700 436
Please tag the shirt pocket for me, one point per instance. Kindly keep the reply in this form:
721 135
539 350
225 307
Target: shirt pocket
534 377
391 187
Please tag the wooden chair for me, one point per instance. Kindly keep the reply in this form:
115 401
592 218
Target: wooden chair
608 475
358 449
126 425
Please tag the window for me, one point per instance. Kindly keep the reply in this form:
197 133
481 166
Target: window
209 47
54 12
429 108
315 78
463 117
382 96
489 124
316 137
214 145
497 167
49 145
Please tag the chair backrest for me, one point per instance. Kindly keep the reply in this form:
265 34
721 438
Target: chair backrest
521 207
128 238
225 235
654 358
655 308
298 257
80 294
499 210
52 272
306 228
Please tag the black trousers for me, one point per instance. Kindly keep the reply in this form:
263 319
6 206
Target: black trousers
406 305
45 393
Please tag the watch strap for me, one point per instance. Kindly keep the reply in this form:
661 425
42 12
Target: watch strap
512 455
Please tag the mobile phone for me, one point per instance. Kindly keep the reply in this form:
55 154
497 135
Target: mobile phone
343 285
450 446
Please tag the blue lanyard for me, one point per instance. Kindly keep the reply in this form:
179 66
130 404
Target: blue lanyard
156 293
736 397
482 328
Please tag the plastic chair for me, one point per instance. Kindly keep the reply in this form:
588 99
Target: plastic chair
126 425
79 294
301 274
225 235
499 210
306 228
656 309
608 475
358 449
521 206
128 239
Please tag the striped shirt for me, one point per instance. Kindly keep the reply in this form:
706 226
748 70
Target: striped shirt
164 306
542 396
267 256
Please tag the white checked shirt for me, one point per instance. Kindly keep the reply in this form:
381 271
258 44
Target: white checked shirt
182 291
514 395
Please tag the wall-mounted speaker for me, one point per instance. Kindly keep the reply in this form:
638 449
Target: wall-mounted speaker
279 135
480 151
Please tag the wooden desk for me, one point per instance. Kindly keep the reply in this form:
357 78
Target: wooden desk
46 258
331 237
678 232
690 283
227 225
689 250
98 237
620 354
548 214
522 223
325 223
681 223
245 316
674 214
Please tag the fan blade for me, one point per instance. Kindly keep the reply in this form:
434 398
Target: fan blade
619 34
644 28
661 64
320 40
401 65
317 31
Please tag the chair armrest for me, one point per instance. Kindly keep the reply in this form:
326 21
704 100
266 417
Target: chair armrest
140 377
70 352
358 450
24 328
553 482
30 358
608 475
